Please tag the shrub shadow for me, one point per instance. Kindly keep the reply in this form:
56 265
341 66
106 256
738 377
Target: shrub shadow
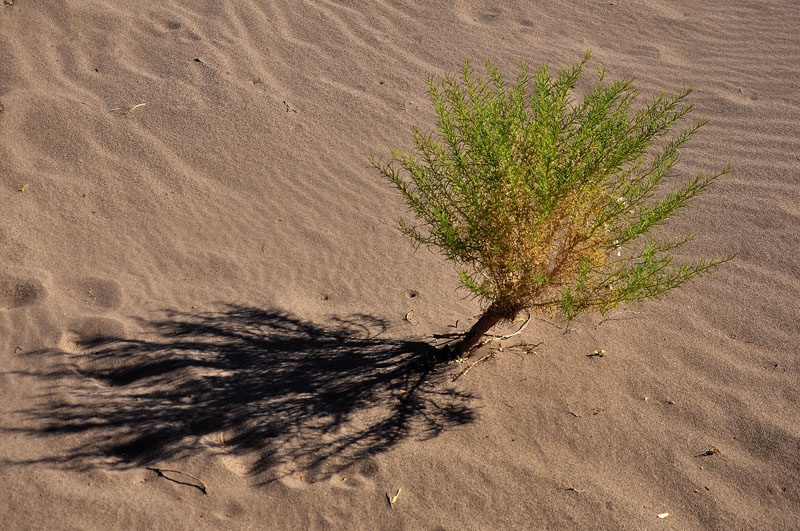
284 393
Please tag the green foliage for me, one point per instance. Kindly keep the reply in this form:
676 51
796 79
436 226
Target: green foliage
548 203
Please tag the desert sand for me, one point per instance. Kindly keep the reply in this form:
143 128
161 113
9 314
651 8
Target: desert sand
208 319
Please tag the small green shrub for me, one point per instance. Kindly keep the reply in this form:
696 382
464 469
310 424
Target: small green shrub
549 204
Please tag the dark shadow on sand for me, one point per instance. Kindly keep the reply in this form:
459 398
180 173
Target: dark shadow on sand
284 393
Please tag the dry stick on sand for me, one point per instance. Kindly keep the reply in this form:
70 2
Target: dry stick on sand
509 336
616 317
160 471
123 111
493 338
465 371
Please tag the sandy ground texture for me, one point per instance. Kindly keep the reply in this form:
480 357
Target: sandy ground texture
209 321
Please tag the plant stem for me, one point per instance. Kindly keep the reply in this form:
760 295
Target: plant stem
490 317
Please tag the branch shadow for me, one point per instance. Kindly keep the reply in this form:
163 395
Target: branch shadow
287 394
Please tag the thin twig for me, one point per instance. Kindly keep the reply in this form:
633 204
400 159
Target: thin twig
160 471
508 336
616 317
452 336
465 371
128 111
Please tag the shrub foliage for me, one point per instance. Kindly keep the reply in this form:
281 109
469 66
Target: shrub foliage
547 203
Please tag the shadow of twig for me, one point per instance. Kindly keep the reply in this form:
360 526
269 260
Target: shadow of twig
292 394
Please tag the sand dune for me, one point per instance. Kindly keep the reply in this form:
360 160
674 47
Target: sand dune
200 273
